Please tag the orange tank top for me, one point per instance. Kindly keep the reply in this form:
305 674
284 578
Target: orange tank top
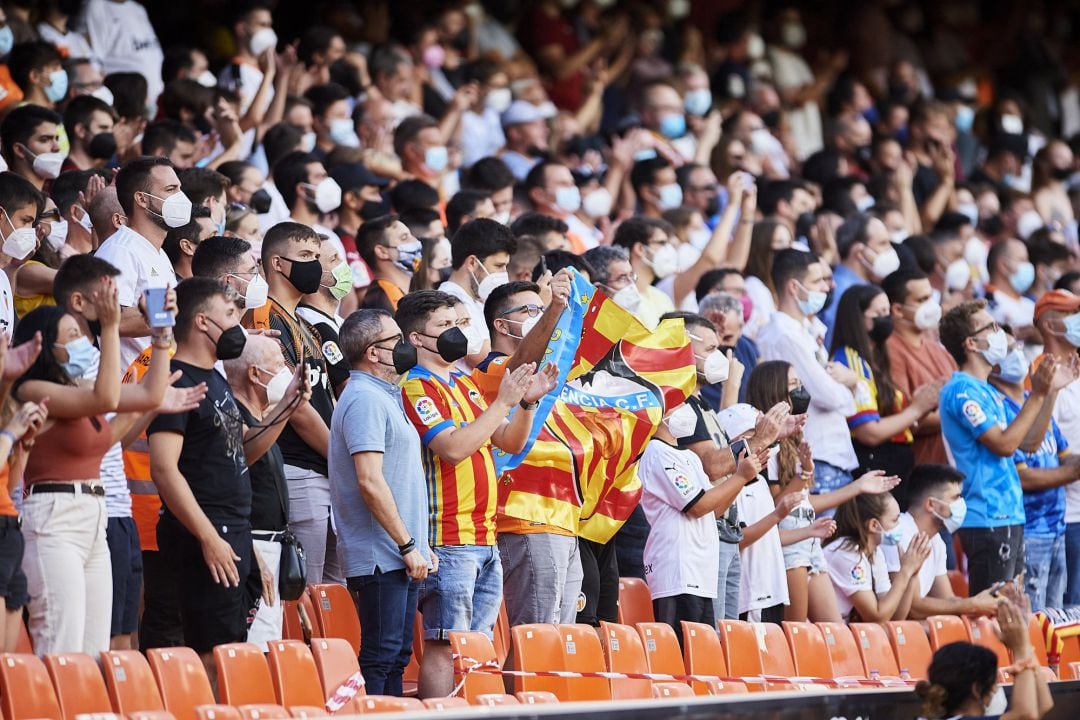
85 441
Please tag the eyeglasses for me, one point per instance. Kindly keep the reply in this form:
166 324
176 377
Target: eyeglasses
375 343
50 215
532 310
993 327
705 188
627 279
237 207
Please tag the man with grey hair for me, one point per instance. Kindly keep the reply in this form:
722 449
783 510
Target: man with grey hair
259 381
380 498
726 313
615 276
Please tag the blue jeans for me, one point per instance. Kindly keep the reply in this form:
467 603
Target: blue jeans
1044 571
465 594
828 478
1072 559
726 604
387 611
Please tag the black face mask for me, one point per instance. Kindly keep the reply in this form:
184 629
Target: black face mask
1061 173
371 210
712 206
230 343
445 273
451 344
95 327
102 146
202 124
260 202
992 226
828 300
803 223
771 119
305 275
800 400
881 329
725 349
404 357
863 153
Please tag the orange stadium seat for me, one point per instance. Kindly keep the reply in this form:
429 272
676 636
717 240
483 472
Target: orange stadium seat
502 638
78 684
958 582
470 647
336 611
878 659
911 646
843 651
25 690
808 650
130 682
495 699
387 704
582 652
1038 641
625 654
293 672
662 649
243 675
703 655
536 697
983 632
336 662
448 703
303 712
24 644
671 690
263 712
635 603
539 647
743 655
776 653
945 629
185 690
150 714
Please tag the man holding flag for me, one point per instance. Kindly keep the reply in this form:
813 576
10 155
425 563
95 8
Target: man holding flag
457 430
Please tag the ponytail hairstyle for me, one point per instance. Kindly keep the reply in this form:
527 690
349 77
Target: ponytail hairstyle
955 669
853 516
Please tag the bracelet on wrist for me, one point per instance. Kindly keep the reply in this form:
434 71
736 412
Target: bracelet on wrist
10 436
407 547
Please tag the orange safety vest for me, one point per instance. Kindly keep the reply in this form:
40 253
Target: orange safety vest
145 501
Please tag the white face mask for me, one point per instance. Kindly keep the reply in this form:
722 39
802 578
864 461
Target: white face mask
104 94
958 510
568 199
681 422
670 196
928 315
885 263
997 348
716 367
263 39
46 165
206 79
327 194
958 274
597 204
57 234
998 704
279 383
699 237
491 281
503 218
175 209
85 221
307 141
257 293
688 255
526 326
343 132
498 99
20 243
664 261
476 338
629 298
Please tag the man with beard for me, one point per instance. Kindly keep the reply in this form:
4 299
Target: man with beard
149 193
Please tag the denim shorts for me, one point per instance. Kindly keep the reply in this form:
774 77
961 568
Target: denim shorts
12 580
466 592
805 553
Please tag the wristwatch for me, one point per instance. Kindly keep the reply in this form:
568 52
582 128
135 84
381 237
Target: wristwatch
528 406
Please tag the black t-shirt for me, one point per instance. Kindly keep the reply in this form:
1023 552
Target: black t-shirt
300 342
336 364
269 494
924 183
707 428
212 458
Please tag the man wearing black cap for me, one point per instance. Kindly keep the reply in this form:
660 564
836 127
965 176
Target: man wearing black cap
361 200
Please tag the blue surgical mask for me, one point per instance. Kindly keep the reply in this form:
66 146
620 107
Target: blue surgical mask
80 356
814 302
7 40
673 126
343 132
436 158
58 86
698 102
1014 368
965 118
1022 279
892 537
1072 329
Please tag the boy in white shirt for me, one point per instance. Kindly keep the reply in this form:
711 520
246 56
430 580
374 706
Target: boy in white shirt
682 552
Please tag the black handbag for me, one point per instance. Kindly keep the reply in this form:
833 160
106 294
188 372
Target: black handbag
292 572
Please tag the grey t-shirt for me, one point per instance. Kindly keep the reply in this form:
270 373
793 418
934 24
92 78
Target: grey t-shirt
369 418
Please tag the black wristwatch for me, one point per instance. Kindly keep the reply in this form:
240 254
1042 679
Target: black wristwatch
528 406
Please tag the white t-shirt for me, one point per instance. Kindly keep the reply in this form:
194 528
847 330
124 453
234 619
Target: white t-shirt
113 477
1067 415
141 266
70 44
791 71
7 305
121 35
481 135
931 568
764 306
682 554
852 572
764 577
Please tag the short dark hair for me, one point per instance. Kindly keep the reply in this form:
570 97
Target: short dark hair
556 260
788 264
46 320
644 172
20 124
637 231
464 202
16 192
80 273
534 224
323 96
852 232
896 284
414 309
162 136
185 95
233 170
712 279
928 479
189 231
956 327
358 332
409 129
134 177
177 59
419 217
280 141
996 251
600 259
537 177
922 249
498 301
690 319
412 194
372 233
282 234
218 255
129 91
316 39
81 108
770 194
481 237
489 173
290 171
192 297
1044 250
67 186
28 56
200 184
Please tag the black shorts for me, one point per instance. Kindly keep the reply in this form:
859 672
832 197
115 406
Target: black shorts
12 581
212 614
127 570
676 608
599 583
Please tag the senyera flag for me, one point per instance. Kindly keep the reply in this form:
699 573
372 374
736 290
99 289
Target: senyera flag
616 378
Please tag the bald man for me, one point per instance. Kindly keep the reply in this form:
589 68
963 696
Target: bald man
106 215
